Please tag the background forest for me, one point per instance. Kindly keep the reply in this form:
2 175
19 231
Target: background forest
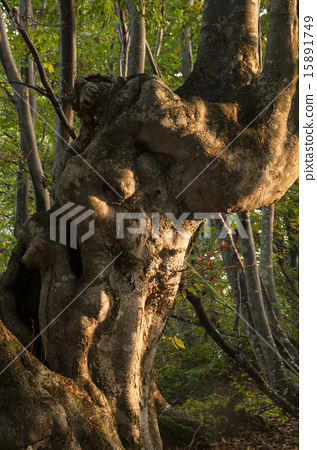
210 366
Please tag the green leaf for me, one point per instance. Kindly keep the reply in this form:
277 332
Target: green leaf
179 342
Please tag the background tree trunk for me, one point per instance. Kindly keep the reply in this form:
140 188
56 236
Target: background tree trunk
67 73
137 40
273 364
266 256
21 96
186 52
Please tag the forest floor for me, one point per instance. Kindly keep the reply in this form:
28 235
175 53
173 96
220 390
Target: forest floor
273 434
245 420
255 433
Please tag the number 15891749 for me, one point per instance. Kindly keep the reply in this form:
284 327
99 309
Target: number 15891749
308 43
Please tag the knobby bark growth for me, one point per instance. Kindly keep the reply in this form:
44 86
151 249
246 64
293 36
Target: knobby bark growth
152 151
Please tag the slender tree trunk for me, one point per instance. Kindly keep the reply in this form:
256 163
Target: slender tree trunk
21 197
151 60
186 52
137 43
159 36
287 349
21 95
238 356
27 74
67 73
274 367
266 256
125 41
236 277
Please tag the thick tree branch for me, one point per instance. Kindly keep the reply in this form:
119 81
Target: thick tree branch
280 64
227 57
50 92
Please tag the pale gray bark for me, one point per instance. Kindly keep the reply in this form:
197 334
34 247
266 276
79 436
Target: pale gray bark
137 38
274 367
21 95
266 256
186 52
244 280
236 277
67 44
23 182
286 348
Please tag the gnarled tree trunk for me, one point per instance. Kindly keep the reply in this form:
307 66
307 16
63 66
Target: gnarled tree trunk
102 309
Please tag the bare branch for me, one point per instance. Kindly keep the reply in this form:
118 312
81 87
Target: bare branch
238 356
151 59
159 38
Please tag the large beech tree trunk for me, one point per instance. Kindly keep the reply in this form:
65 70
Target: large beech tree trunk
102 309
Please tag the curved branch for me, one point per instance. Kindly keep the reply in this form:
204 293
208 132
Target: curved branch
36 88
151 59
239 356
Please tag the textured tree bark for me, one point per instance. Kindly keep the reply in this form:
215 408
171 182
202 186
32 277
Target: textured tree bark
102 309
